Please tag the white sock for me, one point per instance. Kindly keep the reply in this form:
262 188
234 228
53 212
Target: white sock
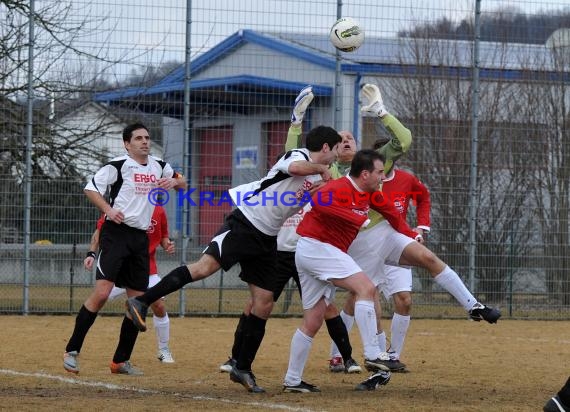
162 327
365 317
381 338
451 282
400 324
298 355
348 321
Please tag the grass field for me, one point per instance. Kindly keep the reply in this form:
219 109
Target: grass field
455 365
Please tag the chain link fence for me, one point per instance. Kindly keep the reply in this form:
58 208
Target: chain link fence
484 86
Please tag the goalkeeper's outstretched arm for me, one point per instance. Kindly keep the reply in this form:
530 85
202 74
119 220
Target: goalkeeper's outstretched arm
302 102
401 136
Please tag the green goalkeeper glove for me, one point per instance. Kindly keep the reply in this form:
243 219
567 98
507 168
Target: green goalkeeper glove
375 106
302 101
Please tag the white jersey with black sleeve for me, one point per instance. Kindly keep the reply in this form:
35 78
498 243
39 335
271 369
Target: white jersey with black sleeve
129 185
268 202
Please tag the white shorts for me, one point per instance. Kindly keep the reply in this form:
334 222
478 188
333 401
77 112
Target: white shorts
317 263
395 279
116 292
377 246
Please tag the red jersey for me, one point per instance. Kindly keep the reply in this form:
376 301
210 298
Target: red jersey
157 230
340 209
402 187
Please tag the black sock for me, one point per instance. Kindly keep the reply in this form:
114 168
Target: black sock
564 394
253 332
238 336
83 322
339 335
170 283
127 339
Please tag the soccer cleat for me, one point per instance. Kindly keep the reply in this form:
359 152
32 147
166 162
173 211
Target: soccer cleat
352 367
136 311
554 404
70 362
227 367
378 364
246 379
481 312
393 364
374 381
125 368
336 364
303 387
165 356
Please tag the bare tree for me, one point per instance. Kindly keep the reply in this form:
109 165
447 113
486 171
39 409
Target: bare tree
436 104
55 173
548 114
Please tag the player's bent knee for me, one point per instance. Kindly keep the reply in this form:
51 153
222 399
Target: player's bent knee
158 308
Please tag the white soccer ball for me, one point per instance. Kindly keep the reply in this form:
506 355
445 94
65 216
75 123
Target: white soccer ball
346 35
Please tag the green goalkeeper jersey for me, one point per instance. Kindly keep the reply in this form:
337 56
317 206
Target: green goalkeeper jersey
392 151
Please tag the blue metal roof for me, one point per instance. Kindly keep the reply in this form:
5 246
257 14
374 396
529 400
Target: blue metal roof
388 56
228 83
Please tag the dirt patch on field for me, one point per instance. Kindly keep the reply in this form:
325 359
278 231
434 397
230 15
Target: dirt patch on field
455 366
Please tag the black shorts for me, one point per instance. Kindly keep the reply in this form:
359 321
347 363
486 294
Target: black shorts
238 241
124 258
286 269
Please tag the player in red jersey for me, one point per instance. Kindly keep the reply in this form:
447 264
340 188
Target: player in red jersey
338 212
402 188
157 234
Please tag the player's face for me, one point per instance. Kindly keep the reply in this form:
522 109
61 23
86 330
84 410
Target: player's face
332 155
347 147
376 176
139 146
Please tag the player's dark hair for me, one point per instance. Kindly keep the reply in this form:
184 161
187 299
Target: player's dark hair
378 143
320 135
128 130
364 160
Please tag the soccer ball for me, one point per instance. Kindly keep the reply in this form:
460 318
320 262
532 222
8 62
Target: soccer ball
346 35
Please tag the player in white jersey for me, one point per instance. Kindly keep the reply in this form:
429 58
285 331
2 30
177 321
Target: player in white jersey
249 236
124 258
286 270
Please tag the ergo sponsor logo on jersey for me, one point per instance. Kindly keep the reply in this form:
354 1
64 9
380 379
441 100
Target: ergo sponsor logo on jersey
144 178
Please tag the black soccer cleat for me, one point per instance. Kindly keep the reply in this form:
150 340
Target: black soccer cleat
136 311
303 387
481 312
228 365
374 381
246 379
554 404
378 364
394 365
351 366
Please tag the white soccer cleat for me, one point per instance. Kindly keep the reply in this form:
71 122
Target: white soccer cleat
165 356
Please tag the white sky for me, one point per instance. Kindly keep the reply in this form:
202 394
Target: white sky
153 31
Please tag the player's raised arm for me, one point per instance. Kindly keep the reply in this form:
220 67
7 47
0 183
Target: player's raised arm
302 102
401 136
